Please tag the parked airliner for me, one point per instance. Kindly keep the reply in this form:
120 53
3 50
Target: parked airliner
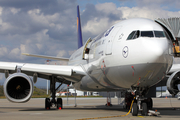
133 55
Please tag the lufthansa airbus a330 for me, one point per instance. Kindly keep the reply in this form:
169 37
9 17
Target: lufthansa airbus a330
132 55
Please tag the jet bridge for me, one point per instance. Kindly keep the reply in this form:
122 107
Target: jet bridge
172 28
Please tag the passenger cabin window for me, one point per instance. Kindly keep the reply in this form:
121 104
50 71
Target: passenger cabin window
133 35
159 34
147 34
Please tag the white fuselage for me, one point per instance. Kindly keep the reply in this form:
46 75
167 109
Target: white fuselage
116 62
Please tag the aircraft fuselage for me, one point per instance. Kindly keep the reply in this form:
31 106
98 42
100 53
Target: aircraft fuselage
133 52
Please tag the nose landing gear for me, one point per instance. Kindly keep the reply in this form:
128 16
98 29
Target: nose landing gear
141 104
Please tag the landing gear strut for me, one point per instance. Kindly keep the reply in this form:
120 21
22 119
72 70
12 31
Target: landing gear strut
53 102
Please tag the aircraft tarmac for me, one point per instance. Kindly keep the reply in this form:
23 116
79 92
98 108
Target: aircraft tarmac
86 108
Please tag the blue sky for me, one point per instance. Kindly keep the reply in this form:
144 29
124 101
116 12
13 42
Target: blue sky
48 27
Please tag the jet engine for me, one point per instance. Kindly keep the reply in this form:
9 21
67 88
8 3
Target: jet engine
18 87
172 83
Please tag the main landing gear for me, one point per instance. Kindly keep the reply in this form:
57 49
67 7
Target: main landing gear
53 102
141 104
49 103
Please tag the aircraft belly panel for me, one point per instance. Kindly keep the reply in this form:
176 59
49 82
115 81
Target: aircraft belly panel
89 84
142 75
118 77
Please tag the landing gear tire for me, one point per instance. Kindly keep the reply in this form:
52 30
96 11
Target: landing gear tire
144 109
59 103
47 103
134 109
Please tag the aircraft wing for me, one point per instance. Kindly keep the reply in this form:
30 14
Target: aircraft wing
47 57
63 73
174 68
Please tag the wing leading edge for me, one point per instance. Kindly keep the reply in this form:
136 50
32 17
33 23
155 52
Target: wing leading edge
62 73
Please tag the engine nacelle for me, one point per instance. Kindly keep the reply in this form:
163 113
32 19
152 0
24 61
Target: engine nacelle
172 83
18 87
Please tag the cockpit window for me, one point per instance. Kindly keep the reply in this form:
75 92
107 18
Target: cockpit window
147 34
131 35
136 35
159 34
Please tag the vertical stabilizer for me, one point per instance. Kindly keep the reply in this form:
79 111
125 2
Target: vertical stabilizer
80 42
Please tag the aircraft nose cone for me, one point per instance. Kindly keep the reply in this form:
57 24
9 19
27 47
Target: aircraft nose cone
158 54
158 51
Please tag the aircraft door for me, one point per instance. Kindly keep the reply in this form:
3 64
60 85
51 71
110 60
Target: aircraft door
86 50
110 40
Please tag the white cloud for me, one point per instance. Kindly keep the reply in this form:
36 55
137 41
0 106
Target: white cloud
147 13
1 9
101 18
15 10
34 11
61 53
95 26
107 8
14 53
3 51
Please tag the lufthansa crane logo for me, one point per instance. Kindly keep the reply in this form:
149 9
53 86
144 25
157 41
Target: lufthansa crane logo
125 52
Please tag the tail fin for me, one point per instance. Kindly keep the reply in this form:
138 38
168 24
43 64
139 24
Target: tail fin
80 42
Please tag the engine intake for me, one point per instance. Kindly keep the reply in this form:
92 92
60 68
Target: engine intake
18 87
172 83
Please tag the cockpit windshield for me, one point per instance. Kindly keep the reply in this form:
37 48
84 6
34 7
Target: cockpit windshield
147 34
133 35
159 34
137 33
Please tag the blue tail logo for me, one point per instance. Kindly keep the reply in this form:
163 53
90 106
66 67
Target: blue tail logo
80 41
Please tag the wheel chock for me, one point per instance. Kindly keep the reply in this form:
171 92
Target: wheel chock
153 113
